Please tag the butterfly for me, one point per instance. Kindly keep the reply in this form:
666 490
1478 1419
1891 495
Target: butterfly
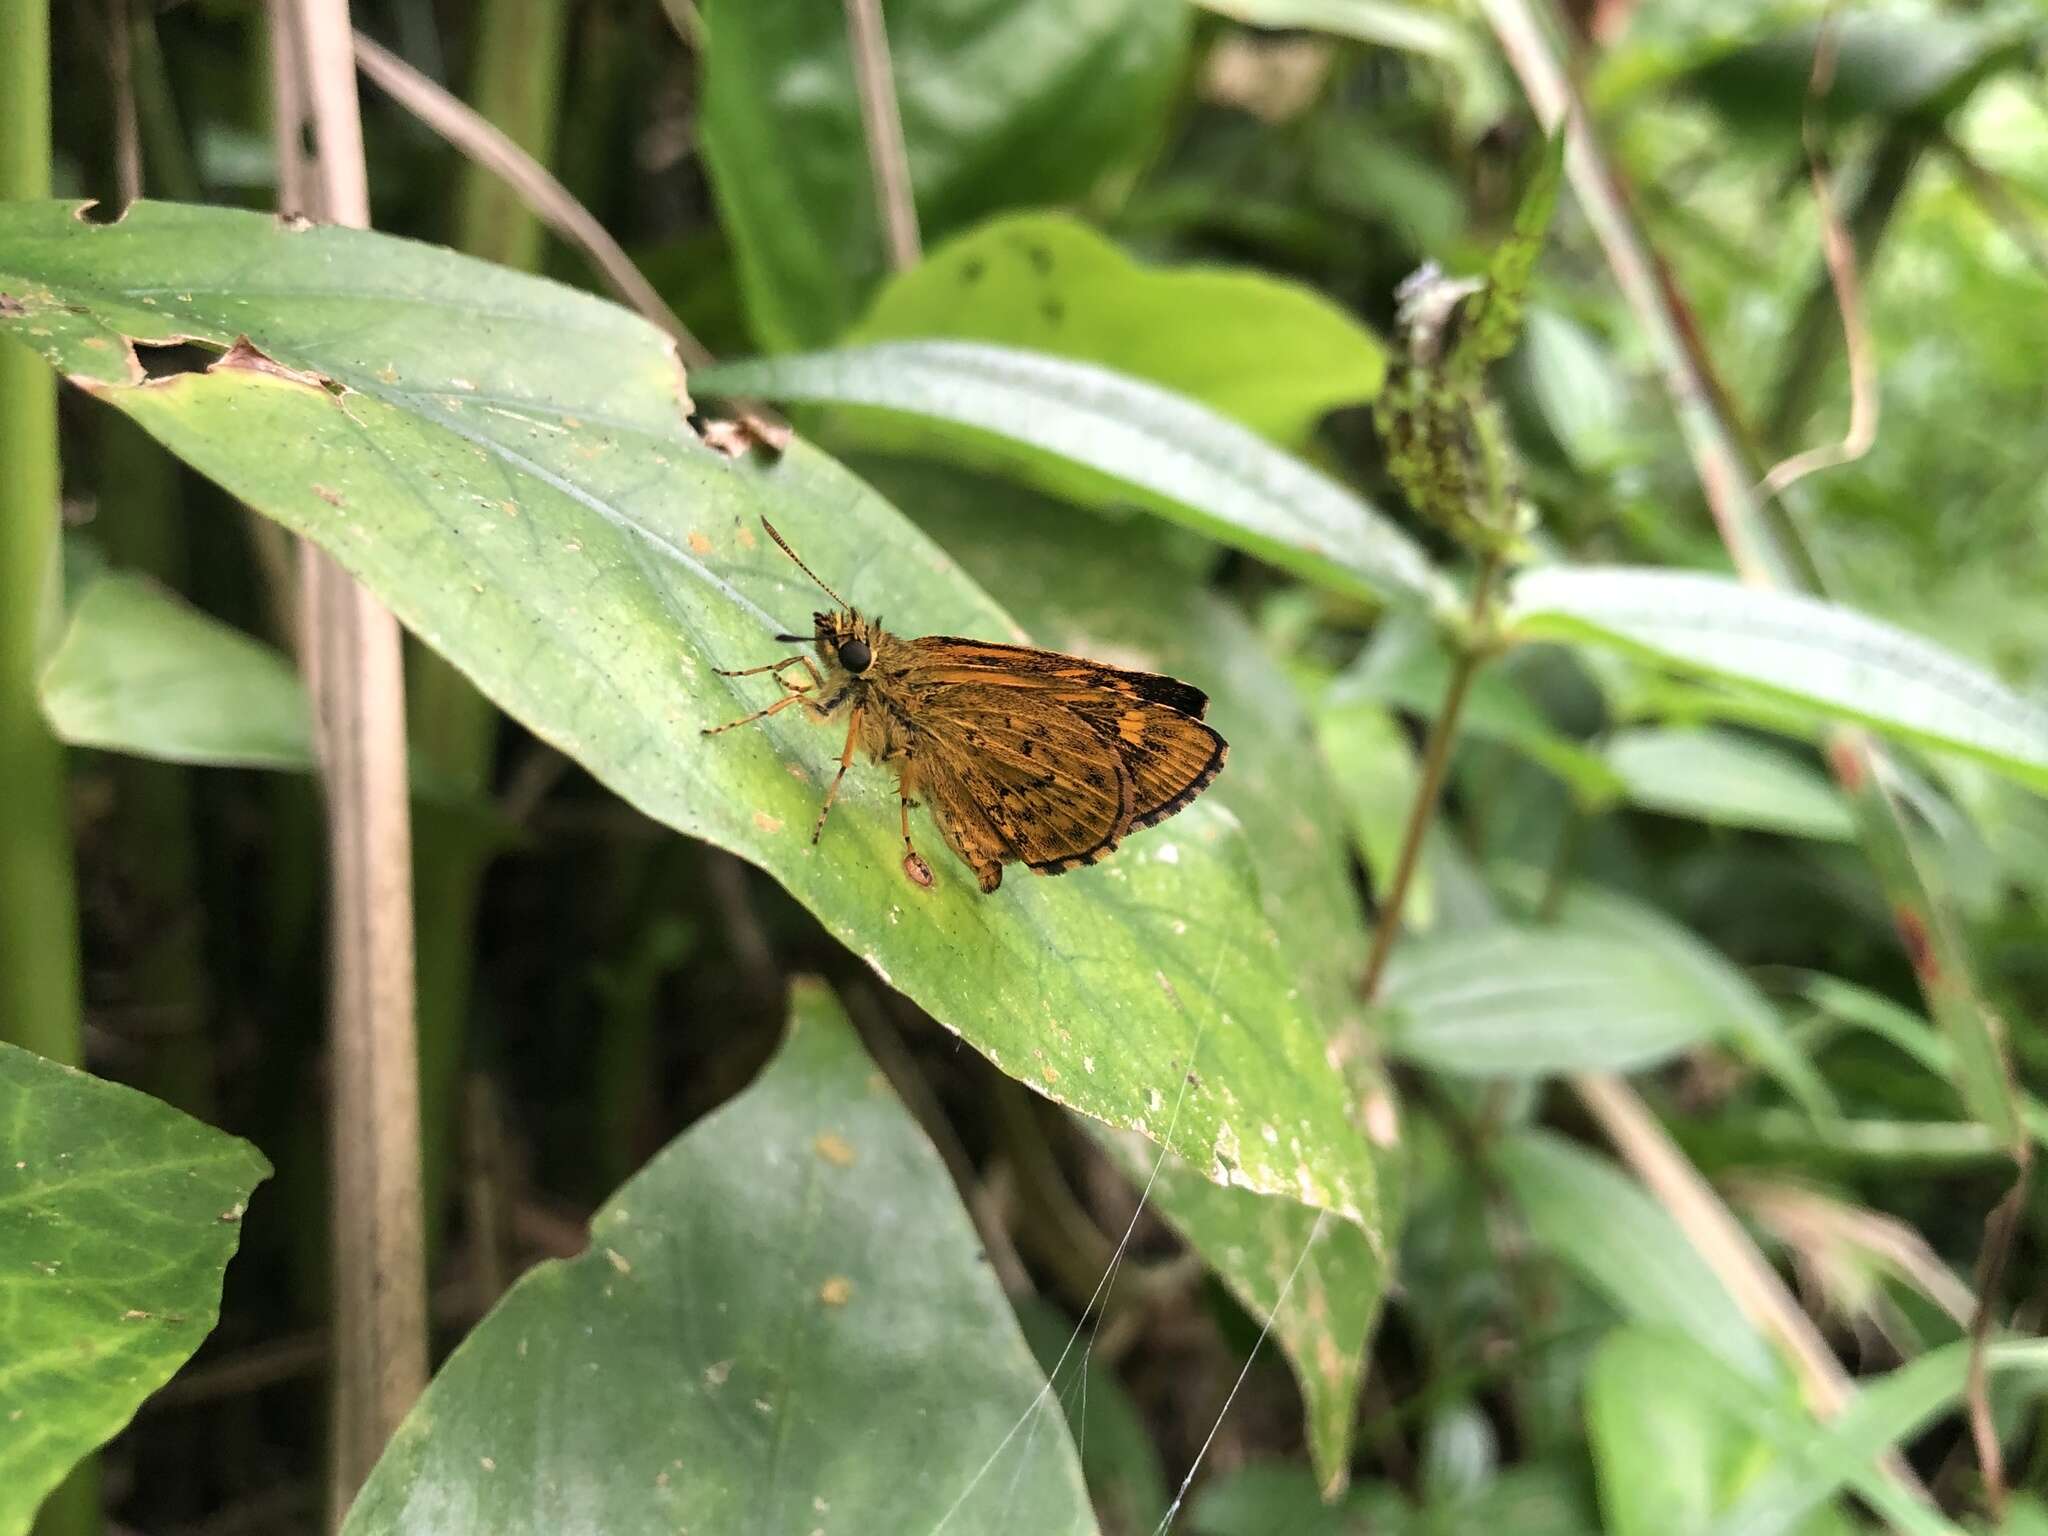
1023 756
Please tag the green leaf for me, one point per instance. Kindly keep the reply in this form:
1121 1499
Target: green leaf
1729 780
1625 1246
1272 355
544 517
1886 1414
1411 28
1833 659
1886 66
1002 106
1494 317
118 1216
1373 762
1114 592
140 671
1611 987
1728 1003
1575 387
1169 453
1281 1499
782 1323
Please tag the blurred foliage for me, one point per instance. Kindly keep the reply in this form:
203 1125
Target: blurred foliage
1131 403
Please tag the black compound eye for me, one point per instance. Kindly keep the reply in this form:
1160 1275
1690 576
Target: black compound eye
854 655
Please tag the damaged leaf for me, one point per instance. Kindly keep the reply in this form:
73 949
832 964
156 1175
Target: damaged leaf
509 468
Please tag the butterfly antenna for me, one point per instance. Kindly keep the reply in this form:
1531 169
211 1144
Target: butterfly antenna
783 545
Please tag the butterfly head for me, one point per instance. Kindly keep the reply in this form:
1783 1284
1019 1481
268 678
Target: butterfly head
845 638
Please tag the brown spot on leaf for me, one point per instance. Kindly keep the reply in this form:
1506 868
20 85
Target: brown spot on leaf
11 308
330 495
1919 948
245 356
1845 760
699 545
835 1149
836 1292
767 823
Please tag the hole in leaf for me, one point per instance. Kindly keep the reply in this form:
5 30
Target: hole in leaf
100 213
170 359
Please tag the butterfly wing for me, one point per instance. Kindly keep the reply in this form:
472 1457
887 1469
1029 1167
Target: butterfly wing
1034 772
1032 743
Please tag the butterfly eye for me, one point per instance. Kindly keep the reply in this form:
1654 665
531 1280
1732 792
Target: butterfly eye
854 655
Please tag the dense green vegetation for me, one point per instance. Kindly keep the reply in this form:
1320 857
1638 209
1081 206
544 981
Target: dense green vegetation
1571 1071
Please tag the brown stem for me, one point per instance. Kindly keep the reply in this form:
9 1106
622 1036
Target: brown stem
882 125
1436 759
350 651
1999 1232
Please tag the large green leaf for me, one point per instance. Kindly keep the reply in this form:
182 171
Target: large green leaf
506 464
1624 1245
139 671
1270 354
1833 659
1002 106
118 1216
1730 780
783 1323
1173 455
1115 592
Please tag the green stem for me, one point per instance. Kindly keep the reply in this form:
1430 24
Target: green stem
39 967
516 84
1436 758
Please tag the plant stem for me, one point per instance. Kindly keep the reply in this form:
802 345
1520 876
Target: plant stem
882 125
516 86
350 650
1436 758
39 966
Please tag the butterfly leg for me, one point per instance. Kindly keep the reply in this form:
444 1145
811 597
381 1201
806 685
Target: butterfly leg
914 866
778 668
794 696
845 762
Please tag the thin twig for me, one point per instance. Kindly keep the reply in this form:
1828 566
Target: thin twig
551 202
1436 759
1839 251
357 682
881 124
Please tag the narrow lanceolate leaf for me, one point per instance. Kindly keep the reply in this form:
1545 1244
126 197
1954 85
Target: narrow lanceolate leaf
783 1323
118 1216
1728 780
1178 457
1272 355
508 466
141 672
1832 659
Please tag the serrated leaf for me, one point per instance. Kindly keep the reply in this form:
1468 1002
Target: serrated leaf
506 464
1834 660
1177 457
783 1322
118 1216
139 671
